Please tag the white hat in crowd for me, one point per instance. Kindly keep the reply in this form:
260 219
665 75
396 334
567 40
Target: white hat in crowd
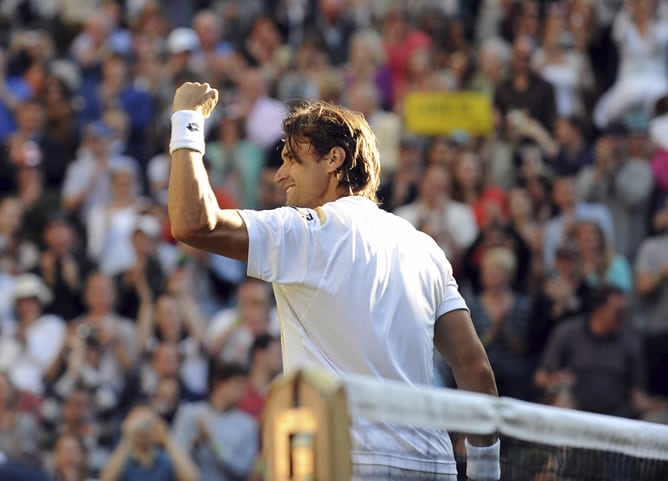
31 285
149 225
182 40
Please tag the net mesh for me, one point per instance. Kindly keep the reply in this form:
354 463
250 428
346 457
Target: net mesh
538 443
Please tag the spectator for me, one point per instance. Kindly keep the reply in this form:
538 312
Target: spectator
27 350
147 451
209 59
110 224
642 43
114 334
223 439
38 203
144 279
622 180
231 332
524 90
521 220
562 65
88 179
17 254
562 294
62 266
470 187
211 279
234 162
452 224
265 364
651 281
364 97
178 322
493 57
21 78
17 429
76 415
597 355
600 263
366 63
571 210
400 187
494 235
69 459
261 114
116 91
573 152
502 322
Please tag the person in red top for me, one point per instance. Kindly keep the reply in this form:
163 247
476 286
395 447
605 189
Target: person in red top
265 364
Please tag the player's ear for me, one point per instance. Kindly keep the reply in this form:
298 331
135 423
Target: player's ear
335 158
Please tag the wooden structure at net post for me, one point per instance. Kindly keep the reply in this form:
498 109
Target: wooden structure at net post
305 429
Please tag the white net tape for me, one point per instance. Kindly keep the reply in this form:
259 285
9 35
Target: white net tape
459 411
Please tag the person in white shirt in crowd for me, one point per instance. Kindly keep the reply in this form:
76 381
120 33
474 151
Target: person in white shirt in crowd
642 42
88 178
110 224
358 290
28 349
452 224
231 332
114 334
262 114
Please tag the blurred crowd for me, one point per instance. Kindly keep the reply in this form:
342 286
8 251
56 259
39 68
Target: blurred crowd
125 355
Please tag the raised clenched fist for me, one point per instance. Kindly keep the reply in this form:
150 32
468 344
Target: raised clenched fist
195 96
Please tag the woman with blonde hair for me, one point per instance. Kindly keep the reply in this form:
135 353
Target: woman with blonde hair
501 316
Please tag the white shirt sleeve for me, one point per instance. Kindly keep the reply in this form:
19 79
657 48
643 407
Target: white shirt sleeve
281 243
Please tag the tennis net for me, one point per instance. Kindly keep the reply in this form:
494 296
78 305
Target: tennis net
538 442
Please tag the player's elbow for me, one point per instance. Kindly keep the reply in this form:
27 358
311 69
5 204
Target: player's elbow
189 232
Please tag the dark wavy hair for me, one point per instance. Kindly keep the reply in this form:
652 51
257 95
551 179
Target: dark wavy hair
326 125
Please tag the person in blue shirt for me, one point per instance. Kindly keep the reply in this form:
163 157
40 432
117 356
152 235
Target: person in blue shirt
147 452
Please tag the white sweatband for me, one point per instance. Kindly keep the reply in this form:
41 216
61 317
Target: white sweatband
483 462
187 131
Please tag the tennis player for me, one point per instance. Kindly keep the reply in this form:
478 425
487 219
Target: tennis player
358 290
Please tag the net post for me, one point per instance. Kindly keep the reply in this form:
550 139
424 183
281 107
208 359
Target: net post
305 429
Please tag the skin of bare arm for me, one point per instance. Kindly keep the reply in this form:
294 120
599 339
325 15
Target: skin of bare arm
195 216
456 340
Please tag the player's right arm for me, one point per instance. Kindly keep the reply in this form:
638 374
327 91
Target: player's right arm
195 216
457 341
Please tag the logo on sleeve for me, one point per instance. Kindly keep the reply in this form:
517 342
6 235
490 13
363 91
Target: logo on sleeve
305 213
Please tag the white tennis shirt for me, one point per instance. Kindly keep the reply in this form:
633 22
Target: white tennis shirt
358 291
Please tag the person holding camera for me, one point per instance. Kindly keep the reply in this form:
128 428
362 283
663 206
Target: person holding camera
147 452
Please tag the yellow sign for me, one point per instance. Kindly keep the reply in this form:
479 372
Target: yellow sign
436 113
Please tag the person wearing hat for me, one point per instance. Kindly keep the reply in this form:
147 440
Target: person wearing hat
28 349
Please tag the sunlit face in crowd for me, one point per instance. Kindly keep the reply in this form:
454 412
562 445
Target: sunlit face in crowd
468 170
614 312
435 185
168 318
304 175
100 293
254 306
10 215
519 204
589 237
68 453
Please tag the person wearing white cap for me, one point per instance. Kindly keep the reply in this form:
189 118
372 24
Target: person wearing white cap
28 348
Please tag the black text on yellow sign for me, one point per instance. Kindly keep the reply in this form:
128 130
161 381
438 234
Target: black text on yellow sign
437 113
